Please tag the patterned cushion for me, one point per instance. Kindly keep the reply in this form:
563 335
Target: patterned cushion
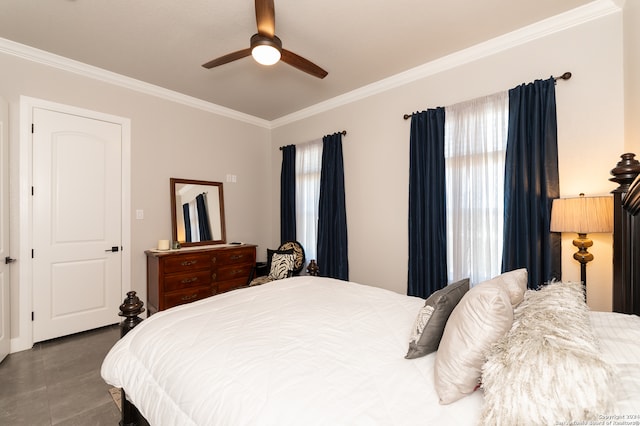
271 252
281 266
260 280
424 315
298 253
429 326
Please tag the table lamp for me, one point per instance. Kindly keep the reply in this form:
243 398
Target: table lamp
582 215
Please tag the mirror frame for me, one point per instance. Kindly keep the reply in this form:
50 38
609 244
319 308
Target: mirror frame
174 224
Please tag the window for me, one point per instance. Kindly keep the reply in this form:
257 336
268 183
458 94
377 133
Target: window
475 149
308 167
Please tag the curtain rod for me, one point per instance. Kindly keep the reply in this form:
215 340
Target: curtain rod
565 76
344 133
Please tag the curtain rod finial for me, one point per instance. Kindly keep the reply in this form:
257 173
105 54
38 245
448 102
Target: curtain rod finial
565 76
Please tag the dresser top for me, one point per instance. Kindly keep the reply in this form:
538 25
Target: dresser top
197 249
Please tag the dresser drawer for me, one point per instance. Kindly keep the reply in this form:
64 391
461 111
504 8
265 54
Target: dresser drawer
232 272
186 296
186 262
187 280
235 256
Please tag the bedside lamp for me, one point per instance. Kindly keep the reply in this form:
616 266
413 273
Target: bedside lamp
582 215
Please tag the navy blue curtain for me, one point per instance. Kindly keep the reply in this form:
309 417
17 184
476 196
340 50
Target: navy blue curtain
427 204
288 194
531 183
187 223
332 214
204 226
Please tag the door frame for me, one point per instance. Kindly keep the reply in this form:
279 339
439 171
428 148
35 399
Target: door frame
24 339
5 241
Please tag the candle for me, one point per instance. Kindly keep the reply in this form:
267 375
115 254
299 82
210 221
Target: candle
163 244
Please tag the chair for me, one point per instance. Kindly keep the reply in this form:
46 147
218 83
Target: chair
268 271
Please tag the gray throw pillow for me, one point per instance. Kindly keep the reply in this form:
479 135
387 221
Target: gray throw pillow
429 325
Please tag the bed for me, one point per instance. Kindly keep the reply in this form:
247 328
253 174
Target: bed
317 351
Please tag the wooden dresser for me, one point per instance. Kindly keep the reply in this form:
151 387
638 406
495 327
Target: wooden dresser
176 277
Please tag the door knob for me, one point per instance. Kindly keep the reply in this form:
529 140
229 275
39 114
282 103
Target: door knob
8 260
113 249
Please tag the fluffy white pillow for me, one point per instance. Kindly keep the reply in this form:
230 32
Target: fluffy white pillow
483 316
547 369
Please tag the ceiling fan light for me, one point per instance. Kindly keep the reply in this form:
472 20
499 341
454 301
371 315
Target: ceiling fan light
265 54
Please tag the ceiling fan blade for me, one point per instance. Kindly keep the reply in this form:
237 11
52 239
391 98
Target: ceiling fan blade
302 64
228 58
266 18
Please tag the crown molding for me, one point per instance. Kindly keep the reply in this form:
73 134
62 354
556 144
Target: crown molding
60 62
561 22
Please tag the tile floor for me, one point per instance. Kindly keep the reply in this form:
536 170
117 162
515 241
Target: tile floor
58 382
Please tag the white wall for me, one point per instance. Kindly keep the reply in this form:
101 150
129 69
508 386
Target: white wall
168 139
632 76
376 148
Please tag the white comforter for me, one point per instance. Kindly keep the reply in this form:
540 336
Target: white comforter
619 337
300 351
309 351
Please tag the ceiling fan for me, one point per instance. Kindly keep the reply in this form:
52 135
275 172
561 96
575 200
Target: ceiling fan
266 47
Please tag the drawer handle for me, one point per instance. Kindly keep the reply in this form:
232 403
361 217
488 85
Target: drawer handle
189 280
213 276
189 262
237 256
237 271
191 297
214 259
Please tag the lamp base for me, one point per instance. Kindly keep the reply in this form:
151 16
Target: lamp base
583 257
582 242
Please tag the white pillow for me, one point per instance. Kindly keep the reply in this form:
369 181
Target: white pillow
281 266
484 315
548 368
515 283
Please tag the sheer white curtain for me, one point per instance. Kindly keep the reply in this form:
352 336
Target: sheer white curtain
193 219
475 148
308 166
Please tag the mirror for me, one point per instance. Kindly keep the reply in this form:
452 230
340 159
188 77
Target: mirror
197 212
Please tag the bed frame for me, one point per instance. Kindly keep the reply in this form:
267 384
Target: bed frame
626 235
131 309
626 263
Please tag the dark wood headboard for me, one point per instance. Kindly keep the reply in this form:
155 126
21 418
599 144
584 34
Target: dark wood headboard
626 235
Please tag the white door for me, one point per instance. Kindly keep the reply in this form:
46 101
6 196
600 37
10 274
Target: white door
5 314
77 164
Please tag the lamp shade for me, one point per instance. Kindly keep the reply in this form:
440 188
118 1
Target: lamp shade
582 215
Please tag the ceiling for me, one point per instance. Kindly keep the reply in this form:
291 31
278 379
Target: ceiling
359 42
